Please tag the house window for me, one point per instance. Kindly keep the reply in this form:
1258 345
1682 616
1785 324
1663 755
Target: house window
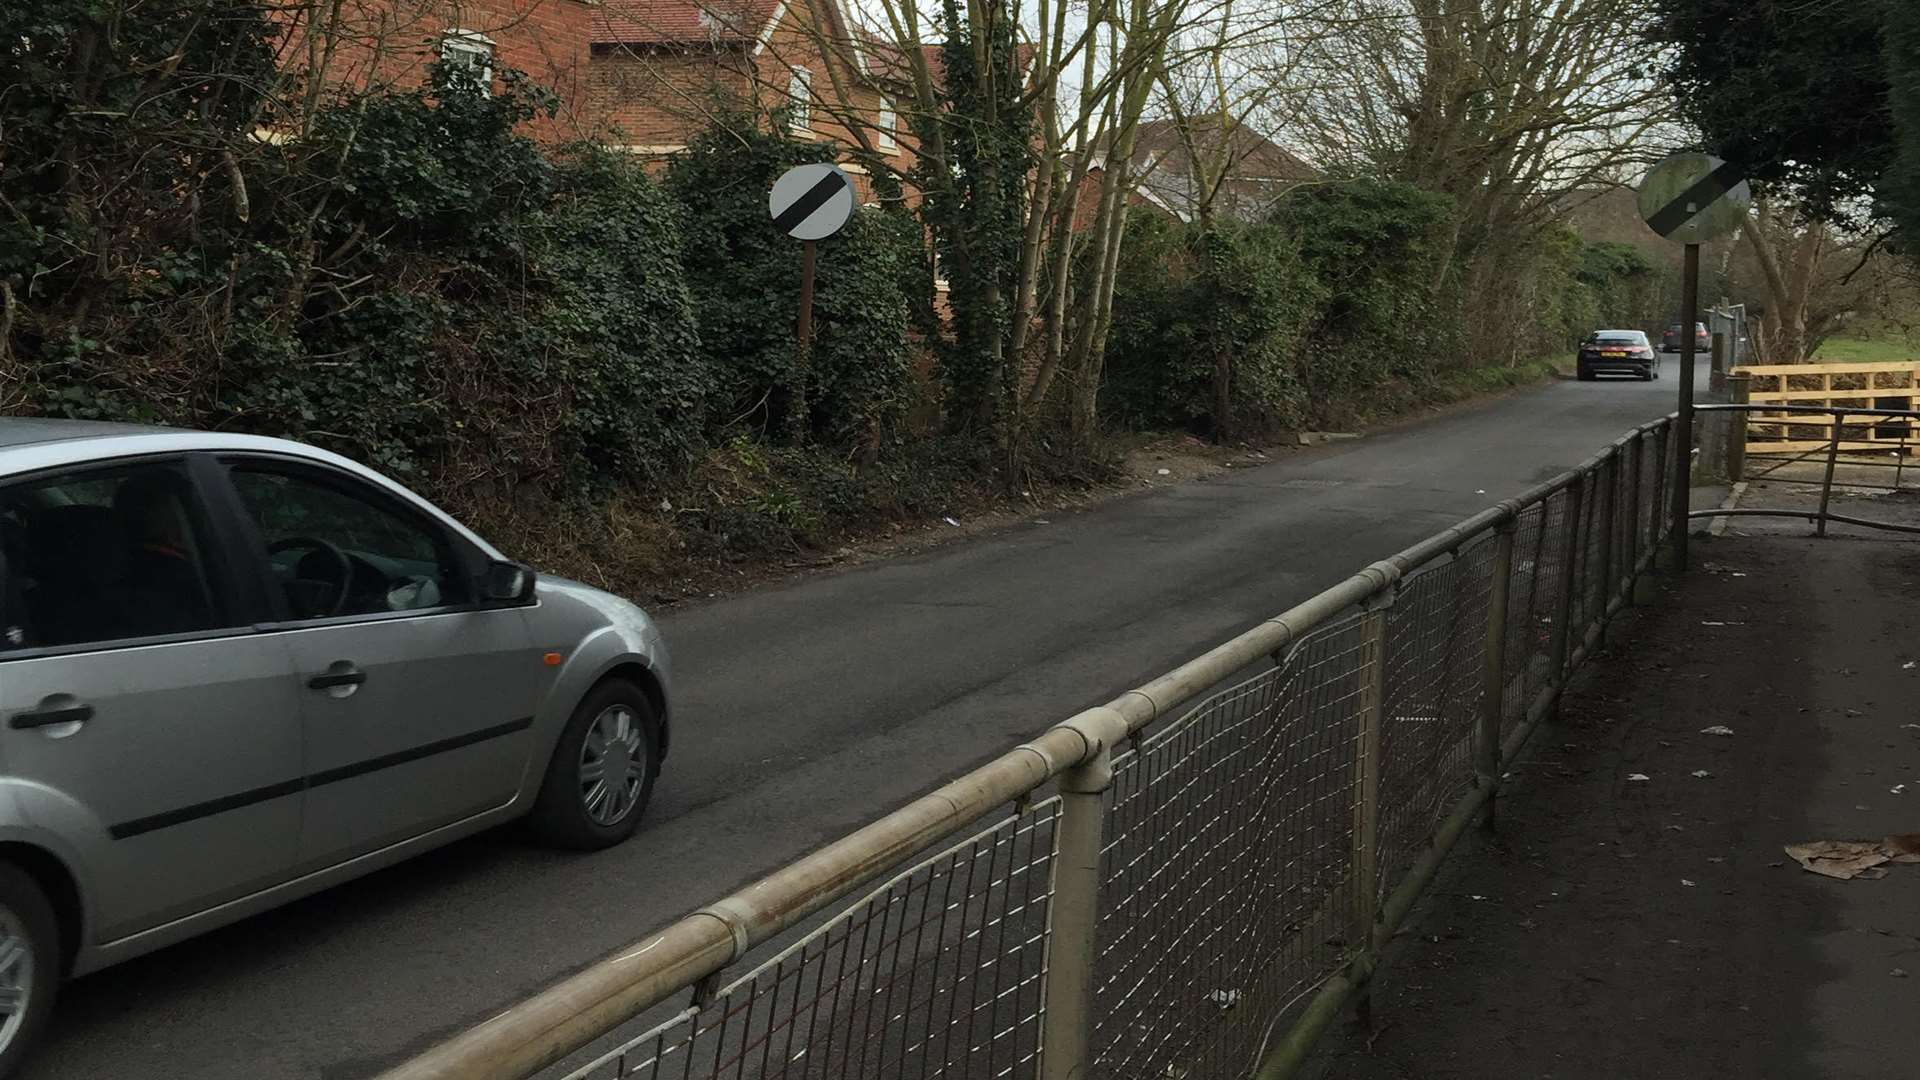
800 101
889 126
469 57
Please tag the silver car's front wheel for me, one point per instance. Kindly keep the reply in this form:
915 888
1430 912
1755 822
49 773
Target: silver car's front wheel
614 764
29 964
602 770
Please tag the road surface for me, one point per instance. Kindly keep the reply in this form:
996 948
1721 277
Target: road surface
804 712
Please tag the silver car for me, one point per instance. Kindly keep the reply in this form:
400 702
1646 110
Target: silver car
237 670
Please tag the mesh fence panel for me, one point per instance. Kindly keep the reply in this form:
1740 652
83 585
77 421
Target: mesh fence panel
1540 568
935 974
1227 875
1651 462
1435 656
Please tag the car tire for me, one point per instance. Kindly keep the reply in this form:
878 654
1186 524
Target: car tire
32 973
1586 376
615 728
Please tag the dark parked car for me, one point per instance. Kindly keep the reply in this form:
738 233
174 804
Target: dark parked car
1618 352
1702 341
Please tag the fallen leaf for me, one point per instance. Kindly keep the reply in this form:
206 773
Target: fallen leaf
1717 729
1849 859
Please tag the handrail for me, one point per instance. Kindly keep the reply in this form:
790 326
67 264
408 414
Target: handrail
1824 514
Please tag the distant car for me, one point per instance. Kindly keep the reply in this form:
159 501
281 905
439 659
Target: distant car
1672 342
237 670
1617 352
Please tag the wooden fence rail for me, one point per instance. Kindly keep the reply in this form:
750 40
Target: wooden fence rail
1863 385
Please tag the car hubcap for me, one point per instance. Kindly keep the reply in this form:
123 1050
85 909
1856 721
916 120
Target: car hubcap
613 765
16 976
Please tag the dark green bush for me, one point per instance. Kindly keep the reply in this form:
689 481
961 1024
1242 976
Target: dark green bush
745 280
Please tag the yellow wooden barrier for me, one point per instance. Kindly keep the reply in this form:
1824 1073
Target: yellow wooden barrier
1865 385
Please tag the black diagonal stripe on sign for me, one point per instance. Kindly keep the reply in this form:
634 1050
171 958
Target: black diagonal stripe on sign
1695 199
815 198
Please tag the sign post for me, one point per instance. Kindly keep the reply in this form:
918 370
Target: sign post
808 203
1691 198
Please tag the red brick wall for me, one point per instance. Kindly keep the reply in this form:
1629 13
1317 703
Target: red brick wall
393 43
662 97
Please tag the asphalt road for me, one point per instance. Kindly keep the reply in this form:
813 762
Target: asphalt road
803 712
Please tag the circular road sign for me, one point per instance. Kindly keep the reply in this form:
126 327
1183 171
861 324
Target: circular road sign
811 202
1693 198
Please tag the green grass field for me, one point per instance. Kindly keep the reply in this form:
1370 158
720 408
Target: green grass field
1862 351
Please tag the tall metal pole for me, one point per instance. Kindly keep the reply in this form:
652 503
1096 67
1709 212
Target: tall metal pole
1683 428
799 422
807 259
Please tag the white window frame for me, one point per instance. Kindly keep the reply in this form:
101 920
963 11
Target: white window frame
800 101
889 139
459 46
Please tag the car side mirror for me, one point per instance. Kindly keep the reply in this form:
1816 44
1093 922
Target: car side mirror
508 582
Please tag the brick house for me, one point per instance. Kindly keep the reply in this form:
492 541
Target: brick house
663 70
1164 171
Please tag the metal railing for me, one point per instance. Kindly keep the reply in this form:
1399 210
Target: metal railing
1897 436
1141 891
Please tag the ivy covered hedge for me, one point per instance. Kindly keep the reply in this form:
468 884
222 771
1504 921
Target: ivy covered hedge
406 277
1341 304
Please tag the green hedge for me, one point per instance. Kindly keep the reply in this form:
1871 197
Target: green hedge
745 279
1343 303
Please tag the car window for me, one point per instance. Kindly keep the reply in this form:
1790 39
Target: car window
334 548
104 555
1618 339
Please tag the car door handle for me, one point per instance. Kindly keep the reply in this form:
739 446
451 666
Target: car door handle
39 718
337 678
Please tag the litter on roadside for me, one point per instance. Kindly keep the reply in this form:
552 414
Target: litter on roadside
1638 777
951 522
1701 774
1849 859
1717 729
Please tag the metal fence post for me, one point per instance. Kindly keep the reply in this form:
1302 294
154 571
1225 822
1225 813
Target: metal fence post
1493 687
1741 389
1569 573
1073 941
1826 485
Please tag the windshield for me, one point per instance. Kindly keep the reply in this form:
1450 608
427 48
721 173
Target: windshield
1617 339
